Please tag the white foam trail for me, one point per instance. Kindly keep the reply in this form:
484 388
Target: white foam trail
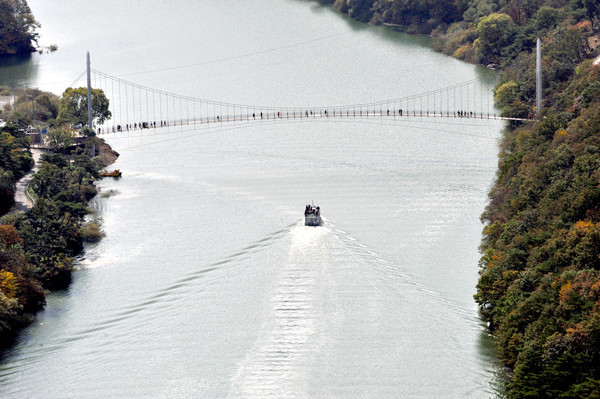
277 365
88 263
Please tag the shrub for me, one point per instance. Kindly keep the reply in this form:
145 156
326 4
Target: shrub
91 232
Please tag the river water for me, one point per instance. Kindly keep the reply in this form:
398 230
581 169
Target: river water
207 283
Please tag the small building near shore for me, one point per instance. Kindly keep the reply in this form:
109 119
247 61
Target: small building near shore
35 135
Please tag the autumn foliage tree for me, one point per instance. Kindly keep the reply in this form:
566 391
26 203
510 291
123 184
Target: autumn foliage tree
20 292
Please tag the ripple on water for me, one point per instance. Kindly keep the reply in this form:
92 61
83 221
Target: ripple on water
288 340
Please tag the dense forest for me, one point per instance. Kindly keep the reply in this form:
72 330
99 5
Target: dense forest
539 288
540 271
17 27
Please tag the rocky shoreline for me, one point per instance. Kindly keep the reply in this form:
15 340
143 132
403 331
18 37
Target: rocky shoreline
105 151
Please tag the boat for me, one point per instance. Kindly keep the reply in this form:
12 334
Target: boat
312 215
114 173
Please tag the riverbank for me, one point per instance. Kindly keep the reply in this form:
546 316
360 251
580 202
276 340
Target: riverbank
540 271
23 200
106 153
38 242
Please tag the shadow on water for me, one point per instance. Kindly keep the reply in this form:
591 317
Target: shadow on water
17 70
487 76
486 345
14 60
320 8
10 344
394 34
386 32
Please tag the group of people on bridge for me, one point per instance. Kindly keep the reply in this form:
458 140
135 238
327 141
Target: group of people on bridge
135 126
308 113
279 115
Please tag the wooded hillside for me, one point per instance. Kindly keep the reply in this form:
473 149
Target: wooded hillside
540 271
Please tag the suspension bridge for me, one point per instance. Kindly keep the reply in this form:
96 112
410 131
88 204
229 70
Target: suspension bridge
136 107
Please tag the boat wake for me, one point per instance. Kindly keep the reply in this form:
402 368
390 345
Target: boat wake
279 363
160 300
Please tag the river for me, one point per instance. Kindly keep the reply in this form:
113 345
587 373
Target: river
207 283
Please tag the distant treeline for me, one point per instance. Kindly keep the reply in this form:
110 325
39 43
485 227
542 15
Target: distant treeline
540 271
413 16
17 27
485 31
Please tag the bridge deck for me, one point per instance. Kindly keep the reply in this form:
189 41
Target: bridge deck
297 115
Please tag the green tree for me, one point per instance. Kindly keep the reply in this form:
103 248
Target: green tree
478 9
506 93
7 190
492 34
74 106
564 49
59 139
546 17
36 104
46 106
88 132
17 27
360 9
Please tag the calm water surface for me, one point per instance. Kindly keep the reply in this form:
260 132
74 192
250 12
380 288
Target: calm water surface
207 283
